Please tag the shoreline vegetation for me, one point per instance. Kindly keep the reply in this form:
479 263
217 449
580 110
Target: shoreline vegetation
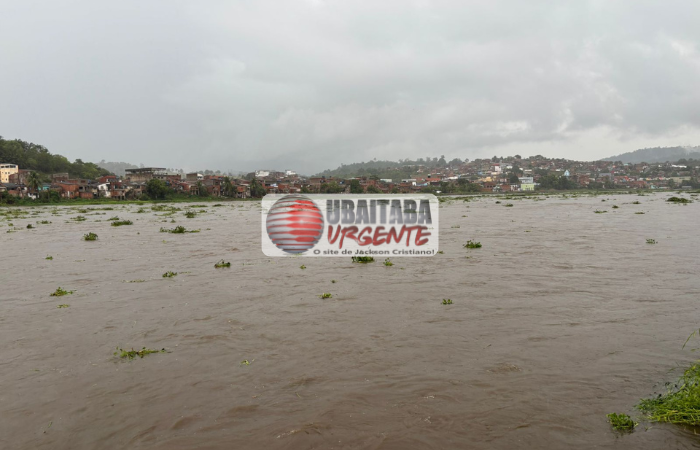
679 404
442 196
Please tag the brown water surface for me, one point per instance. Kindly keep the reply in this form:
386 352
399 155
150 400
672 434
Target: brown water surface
563 316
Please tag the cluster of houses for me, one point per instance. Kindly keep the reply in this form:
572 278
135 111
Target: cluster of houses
130 186
511 174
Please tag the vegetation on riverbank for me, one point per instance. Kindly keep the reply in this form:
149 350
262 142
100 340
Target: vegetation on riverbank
680 404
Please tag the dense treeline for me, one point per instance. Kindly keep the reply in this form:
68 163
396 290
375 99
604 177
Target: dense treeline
403 168
36 157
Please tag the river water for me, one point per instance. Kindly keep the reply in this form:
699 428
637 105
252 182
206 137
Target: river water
563 316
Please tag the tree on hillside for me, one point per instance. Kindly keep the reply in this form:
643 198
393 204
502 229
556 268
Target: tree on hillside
331 188
356 187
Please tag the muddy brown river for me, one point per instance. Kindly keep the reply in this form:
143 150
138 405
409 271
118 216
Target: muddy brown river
563 316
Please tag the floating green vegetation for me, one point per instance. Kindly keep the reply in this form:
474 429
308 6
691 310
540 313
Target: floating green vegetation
221 264
679 200
44 222
508 204
446 301
217 205
60 292
326 295
114 218
245 362
651 241
362 259
165 208
472 244
498 202
302 267
178 230
141 211
199 206
90 236
388 263
597 211
29 225
639 212
440 252
615 207
621 422
131 354
169 274
136 281
118 223
190 214
636 203
333 281
50 258
63 305
454 226
79 218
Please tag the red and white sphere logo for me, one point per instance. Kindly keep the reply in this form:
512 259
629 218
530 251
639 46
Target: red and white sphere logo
294 223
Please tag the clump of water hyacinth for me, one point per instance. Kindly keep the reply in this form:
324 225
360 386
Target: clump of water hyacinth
362 259
679 200
472 244
60 292
621 422
178 230
131 354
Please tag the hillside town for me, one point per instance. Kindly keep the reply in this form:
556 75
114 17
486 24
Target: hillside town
496 175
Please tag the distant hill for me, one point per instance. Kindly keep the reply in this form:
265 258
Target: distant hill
402 168
30 156
117 168
657 155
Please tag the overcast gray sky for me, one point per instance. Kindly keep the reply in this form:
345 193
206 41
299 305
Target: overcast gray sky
310 84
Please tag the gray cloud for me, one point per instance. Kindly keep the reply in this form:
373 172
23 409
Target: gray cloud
307 85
